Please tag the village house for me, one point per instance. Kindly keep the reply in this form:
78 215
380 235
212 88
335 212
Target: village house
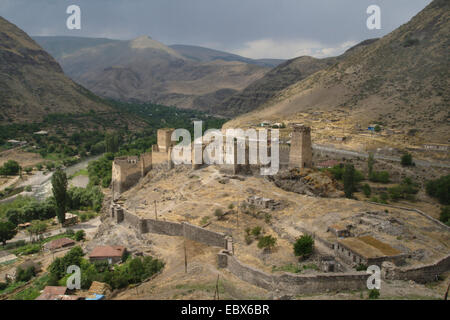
57 293
367 250
59 244
110 254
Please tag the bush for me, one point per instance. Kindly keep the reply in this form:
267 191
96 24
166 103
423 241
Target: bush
361 267
218 213
10 168
267 242
407 160
25 275
440 189
374 294
90 198
379 176
80 235
406 190
366 190
304 246
445 215
256 231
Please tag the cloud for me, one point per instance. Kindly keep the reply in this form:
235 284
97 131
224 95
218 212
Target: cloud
288 49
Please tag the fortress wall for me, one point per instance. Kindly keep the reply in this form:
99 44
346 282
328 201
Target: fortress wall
146 163
208 237
191 232
294 283
420 274
164 227
159 157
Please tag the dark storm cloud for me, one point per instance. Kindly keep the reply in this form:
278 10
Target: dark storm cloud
256 28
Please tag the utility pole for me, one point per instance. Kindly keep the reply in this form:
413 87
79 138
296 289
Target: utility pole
216 292
156 213
185 256
446 293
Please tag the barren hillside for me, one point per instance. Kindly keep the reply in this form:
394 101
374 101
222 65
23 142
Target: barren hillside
400 81
32 84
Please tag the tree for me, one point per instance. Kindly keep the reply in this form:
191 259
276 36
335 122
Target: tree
10 168
370 163
37 228
445 215
7 231
440 189
59 184
112 143
304 246
407 160
80 235
367 190
377 128
349 180
268 242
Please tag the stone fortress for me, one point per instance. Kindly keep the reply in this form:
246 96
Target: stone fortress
127 171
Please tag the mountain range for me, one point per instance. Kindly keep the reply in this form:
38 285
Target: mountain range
145 70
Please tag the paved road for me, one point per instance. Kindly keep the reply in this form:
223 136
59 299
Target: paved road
422 163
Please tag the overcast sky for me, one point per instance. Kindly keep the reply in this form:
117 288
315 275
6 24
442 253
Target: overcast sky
252 28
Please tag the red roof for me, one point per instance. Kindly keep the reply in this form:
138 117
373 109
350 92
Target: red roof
51 290
107 252
60 243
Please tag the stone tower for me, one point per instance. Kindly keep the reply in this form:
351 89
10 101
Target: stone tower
164 139
300 155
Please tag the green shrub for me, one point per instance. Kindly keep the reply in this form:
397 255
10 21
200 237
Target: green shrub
374 294
10 168
379 176
407 160
267 242
218 213
80 235
256 231
25 275
361 267
304 246
366 190
440 189
445 215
